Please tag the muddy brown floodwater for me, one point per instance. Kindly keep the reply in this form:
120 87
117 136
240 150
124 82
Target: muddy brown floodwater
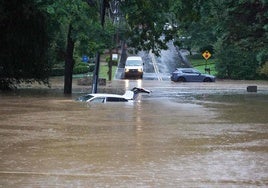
181 135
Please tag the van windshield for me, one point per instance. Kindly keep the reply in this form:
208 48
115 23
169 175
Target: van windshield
134 63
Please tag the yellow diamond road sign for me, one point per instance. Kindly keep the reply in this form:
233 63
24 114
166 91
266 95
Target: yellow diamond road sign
206 55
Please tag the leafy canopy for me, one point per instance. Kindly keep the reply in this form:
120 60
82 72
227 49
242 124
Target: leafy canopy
24 43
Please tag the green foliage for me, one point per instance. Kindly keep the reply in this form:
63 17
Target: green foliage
85 29
91 67
82 67
262 56
197 56
263 71
209 48
34 33
146 21
237 31
57 72
114 62
185 11
234 63
81 29
79 68
241 47
24 42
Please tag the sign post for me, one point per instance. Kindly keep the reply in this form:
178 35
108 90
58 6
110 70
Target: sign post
206 54
97 64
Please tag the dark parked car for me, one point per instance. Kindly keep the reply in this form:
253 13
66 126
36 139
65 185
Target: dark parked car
190 75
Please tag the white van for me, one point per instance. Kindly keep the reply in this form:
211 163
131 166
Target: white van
134 67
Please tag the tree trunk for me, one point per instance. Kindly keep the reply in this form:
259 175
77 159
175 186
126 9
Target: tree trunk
69 63
110 64
123 54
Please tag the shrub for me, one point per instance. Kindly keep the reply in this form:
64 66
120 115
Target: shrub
81 64
195 56
57 72
83 69
80 69
236 63
263 71
114 62
91 67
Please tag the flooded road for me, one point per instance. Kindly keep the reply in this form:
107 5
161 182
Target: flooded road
181 135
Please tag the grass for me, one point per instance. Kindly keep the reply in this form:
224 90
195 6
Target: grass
201 64
210 66
104 71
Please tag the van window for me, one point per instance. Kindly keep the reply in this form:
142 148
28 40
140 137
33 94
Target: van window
134 63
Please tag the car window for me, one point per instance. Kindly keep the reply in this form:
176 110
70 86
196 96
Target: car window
116 99
98 100
84 98
187 71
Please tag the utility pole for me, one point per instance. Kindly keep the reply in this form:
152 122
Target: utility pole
103 4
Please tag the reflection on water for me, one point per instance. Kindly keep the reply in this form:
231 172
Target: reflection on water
129 84
210 141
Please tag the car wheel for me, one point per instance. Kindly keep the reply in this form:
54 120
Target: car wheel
181 79
207 80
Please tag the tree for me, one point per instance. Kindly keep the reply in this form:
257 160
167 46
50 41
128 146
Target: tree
24 40
146 22
245 31
83 32
237 30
